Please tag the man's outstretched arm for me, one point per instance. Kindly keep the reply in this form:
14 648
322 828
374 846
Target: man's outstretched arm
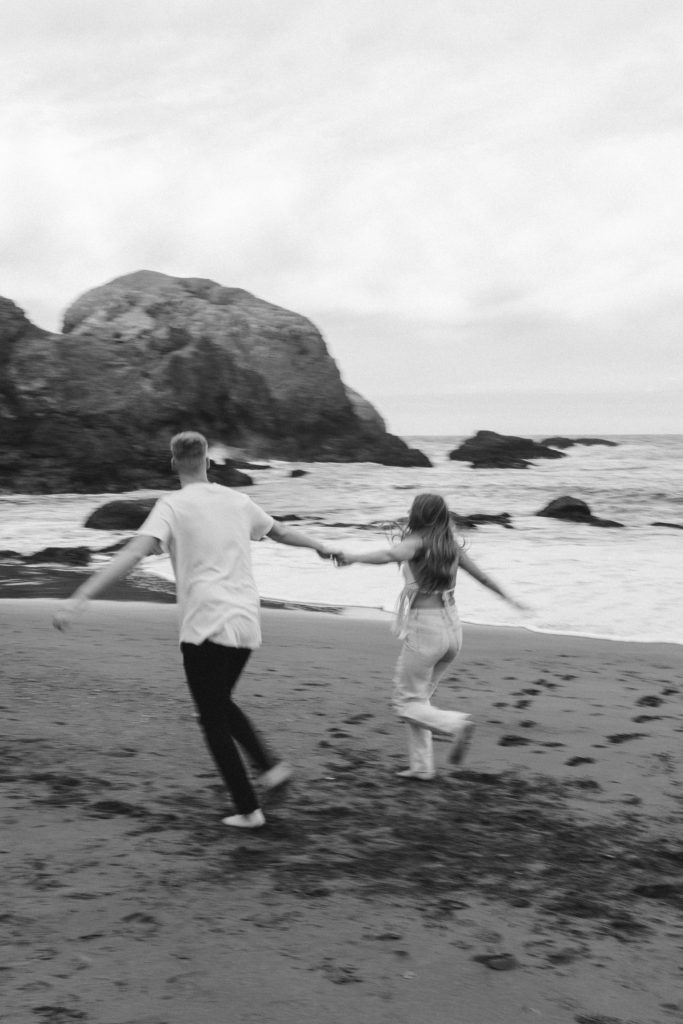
298 539
135 550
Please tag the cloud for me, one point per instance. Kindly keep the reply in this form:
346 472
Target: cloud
499 176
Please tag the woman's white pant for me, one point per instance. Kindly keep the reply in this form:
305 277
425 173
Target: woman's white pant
432 639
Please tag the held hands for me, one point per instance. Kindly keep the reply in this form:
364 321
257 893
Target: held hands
337 556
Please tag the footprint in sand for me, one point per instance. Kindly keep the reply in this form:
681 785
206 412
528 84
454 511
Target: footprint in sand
497 961
513 741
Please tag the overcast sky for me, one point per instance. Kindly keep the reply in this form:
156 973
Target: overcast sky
478 202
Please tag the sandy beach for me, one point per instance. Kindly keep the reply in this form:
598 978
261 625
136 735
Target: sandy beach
539 882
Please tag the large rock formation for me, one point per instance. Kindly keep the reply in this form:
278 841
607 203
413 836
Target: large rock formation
489 450
147 355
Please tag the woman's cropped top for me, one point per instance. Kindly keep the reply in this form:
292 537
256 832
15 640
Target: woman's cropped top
411 590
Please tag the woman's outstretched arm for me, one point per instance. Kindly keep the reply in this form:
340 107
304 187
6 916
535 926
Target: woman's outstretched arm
402 552
480 576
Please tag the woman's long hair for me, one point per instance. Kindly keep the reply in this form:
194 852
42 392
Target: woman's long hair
436 564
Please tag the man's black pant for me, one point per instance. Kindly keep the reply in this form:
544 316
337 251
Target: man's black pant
212 672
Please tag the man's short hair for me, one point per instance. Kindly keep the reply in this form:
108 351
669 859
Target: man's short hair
189 448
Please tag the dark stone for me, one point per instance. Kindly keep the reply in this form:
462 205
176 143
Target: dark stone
489 450
122 514
569 442
62 556
243 464
227 475
574 510
299 472
474 519
558 442
671 526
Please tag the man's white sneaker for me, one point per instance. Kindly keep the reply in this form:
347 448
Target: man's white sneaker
256 819
278 775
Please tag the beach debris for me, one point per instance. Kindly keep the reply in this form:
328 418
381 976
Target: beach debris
497 961
657 890
574 510
338 974
600 1018
58 1014
622 737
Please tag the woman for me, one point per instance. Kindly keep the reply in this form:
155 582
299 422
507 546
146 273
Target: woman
427 623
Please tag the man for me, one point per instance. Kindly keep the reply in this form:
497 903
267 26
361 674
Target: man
207 530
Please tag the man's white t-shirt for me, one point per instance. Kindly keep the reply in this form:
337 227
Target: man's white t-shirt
207 530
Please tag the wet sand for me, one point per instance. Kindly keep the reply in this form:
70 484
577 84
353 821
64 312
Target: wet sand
539 882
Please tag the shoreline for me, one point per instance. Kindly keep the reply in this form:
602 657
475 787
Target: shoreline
21 581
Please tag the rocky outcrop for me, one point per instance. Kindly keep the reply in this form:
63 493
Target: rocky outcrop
575 511
147 355
569 442
489 450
